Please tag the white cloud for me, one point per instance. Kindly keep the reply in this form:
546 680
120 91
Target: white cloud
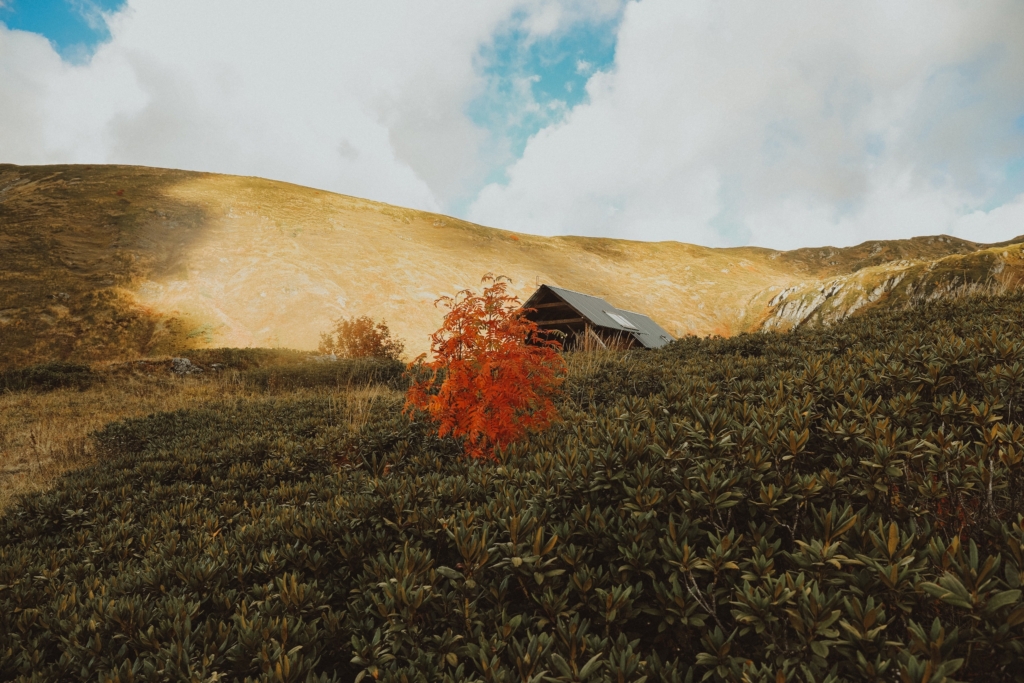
996 225
362 98
785 125
93 14
722 122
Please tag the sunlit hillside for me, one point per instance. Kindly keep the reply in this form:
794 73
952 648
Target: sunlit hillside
113 261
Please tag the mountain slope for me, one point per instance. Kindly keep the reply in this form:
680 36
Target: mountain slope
111 261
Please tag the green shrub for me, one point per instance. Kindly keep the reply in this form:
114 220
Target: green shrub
340 373
47 377
246 359
840 504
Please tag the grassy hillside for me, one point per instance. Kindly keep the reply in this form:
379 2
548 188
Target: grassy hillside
107 262
839 503
48 411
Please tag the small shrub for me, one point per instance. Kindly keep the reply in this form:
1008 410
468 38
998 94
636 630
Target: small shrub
361 338
493 376
47 377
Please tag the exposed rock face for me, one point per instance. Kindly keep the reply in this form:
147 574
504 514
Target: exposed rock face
787 314
897 283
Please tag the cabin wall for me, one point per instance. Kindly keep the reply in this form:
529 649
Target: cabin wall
551 313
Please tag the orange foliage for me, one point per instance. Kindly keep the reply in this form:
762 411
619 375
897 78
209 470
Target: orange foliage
361 338
494 373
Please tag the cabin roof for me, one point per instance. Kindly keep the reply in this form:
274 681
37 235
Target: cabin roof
602 314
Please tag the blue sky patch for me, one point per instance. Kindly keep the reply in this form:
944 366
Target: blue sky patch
73 27
874 145
533 83
1011 186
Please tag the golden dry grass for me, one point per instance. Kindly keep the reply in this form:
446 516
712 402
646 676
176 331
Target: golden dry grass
44 435
116 262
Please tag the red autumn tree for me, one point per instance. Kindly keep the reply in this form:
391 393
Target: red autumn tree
494 373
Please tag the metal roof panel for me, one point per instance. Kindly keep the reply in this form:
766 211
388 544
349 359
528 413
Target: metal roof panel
595 309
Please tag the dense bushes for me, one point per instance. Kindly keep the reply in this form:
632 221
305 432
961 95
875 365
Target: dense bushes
269 370
341 373
283 370
47 377
834 505
247 359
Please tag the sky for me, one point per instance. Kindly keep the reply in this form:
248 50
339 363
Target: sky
717 122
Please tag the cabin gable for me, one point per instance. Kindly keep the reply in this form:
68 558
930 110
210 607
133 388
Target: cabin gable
591 323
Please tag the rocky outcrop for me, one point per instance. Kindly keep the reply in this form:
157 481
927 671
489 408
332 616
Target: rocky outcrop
183 366
787 312
897 283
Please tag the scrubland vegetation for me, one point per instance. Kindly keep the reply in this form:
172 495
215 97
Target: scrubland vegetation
838 504
47 411
361 337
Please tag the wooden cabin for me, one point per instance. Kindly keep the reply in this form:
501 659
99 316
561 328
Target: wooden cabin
591 323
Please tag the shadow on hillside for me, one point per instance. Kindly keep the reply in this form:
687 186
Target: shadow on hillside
75 241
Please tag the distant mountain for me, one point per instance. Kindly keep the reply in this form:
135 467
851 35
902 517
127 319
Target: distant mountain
105 262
